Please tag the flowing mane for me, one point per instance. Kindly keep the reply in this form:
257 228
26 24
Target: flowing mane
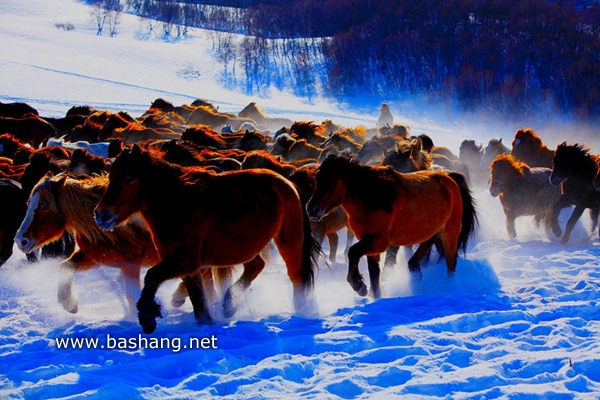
507 165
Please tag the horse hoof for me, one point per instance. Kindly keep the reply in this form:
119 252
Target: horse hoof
177 301
362 291
147 323
228 309
204 320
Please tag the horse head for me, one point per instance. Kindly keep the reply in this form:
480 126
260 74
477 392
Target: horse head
330 189
43 222
121 198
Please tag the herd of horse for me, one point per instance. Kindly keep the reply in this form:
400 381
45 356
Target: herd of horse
189 192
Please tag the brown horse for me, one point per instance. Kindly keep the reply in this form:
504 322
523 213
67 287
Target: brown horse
59 204
304 179
199 218
527 146
494 148
522 190
254 112
31 129
386 208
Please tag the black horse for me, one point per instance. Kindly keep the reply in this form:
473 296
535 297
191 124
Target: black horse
575 168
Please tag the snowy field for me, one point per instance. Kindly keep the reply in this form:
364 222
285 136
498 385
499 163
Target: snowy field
519 320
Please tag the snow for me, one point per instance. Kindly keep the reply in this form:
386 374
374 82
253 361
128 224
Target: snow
519 320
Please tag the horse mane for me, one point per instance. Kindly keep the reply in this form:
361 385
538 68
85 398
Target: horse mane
77 197
578 152
263 159
161 104
508 165
529 135
415 145
374 185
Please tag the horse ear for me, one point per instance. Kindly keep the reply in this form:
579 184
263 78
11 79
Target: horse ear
60 182
500 140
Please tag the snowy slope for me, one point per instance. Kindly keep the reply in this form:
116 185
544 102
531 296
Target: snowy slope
519 320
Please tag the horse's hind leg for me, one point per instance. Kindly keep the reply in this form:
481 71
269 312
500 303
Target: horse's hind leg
390 257
195 290
251 270
414 263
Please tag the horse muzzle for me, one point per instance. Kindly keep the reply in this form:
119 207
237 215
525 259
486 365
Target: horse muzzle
105 220
495 191
25 244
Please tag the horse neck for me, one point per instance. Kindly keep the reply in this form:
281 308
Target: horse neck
76 202
584 168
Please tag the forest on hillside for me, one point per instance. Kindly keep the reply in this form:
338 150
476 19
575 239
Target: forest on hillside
516 57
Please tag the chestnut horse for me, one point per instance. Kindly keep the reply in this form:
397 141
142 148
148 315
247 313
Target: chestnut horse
522 190
527 146
199 218
386 208
574 169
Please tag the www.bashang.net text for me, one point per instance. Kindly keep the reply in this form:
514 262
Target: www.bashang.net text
138 342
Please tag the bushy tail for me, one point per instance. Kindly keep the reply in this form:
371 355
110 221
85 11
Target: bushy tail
311 250
469 216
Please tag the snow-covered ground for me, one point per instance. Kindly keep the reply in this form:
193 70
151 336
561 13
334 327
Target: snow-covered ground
519 320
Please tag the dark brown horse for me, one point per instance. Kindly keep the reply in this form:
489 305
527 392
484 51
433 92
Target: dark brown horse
199 218
522 190
527 146
254 112
14 203
386 208
574 168
31 129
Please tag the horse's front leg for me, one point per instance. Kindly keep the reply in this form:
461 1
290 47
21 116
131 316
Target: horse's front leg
374 272
577 212
171 266
251 270
333 240
65 295
510 225
131 273
354 278
561 203
66 273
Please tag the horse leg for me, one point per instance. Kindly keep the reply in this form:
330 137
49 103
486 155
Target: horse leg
171 266
354 277
131 273
251 270
195 290
510 225
414 263
390 257
561 203
179 295
66 298
66 273
577 212
333 240
374 272
594 214
349 239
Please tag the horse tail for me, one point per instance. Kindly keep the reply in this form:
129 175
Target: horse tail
469 215
311 250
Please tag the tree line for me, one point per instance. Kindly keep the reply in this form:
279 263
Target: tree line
516 57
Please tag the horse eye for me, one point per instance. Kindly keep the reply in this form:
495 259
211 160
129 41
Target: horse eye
44 207
129 180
